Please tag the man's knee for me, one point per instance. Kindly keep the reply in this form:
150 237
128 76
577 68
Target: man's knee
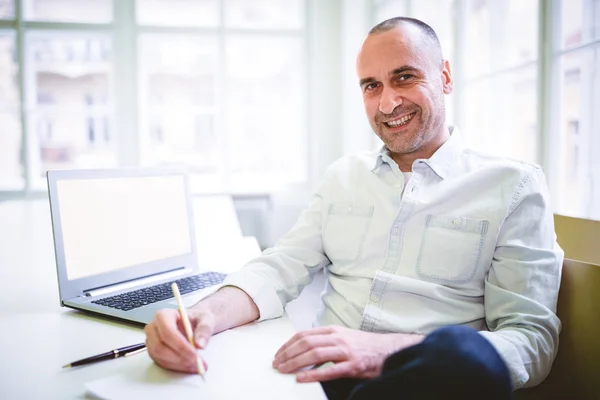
457 360
464 347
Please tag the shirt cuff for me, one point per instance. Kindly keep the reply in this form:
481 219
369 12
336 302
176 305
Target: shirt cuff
511 357
258 288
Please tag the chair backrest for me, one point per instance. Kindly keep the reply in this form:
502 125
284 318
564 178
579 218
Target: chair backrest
576 370
579 238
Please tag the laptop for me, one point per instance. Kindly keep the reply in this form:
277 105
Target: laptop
121 237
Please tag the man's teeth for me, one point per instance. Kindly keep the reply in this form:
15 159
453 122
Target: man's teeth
401 121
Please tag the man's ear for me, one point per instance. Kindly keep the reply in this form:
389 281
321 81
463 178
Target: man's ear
447 82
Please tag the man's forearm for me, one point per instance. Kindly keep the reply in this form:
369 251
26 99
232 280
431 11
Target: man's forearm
231 307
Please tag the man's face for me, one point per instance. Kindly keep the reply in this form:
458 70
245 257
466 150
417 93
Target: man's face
403 81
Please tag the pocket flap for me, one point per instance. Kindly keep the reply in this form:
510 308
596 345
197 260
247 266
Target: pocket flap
464 224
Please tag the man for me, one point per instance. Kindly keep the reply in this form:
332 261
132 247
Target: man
442 266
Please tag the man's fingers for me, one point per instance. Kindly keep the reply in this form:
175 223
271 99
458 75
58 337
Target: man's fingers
315 356
203 329
167 358
171 334
163 355
321 330
168 344
302 345
340 370
190 367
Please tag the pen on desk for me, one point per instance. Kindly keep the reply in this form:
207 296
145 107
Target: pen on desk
187 326
109 355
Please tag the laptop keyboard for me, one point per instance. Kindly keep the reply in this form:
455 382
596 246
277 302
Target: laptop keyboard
142 297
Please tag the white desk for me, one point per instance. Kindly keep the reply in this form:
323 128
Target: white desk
37 336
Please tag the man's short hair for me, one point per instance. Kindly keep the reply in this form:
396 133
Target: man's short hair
395 22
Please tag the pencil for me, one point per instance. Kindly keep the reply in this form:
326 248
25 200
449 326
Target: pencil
186 325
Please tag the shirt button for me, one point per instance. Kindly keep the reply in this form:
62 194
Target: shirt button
374 298
456 222
396 230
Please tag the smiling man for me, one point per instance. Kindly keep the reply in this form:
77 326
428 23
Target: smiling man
442 265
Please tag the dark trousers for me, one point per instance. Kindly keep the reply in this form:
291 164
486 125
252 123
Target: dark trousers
453 362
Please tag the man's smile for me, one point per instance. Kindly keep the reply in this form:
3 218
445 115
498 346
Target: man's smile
400 121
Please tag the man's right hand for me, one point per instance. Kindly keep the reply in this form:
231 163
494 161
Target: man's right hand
167 343
165 336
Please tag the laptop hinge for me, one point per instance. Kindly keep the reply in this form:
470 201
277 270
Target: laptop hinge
136 282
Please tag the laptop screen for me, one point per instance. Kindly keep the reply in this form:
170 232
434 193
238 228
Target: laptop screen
114 223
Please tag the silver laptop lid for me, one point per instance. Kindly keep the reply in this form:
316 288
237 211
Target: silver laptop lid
117 225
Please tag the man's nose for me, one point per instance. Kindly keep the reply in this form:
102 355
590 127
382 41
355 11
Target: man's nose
389 100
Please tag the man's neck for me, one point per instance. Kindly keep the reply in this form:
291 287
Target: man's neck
406 160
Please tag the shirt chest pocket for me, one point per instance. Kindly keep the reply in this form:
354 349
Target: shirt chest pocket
345 229
450 248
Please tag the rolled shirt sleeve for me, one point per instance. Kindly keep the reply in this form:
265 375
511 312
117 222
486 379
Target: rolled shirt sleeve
521 288
280 273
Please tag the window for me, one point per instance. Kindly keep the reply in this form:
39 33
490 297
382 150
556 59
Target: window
500 114
228 101
218 85
70 111
179 100
265 106
577 60
499 111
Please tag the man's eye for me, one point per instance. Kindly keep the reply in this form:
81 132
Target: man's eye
371 86
405 77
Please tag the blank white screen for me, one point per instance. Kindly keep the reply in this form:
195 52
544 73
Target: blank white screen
109 224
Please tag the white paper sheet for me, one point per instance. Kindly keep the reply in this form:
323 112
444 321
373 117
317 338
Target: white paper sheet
239 367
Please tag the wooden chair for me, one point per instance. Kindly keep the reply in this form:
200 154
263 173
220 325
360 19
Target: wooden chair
576 370
579 238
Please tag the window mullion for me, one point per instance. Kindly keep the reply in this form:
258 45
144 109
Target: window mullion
548 90
125 84
459 62
223 167
7 24
409 8
23 95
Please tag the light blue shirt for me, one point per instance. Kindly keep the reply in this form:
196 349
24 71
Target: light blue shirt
468 240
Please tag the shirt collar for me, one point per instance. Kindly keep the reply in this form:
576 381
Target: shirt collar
440 162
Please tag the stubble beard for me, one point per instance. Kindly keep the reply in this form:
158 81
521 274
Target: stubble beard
403 142
424 132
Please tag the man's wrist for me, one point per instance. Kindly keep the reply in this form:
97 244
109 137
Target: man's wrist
390 343
399 341
230 306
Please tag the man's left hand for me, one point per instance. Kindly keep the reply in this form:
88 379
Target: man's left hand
355 354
